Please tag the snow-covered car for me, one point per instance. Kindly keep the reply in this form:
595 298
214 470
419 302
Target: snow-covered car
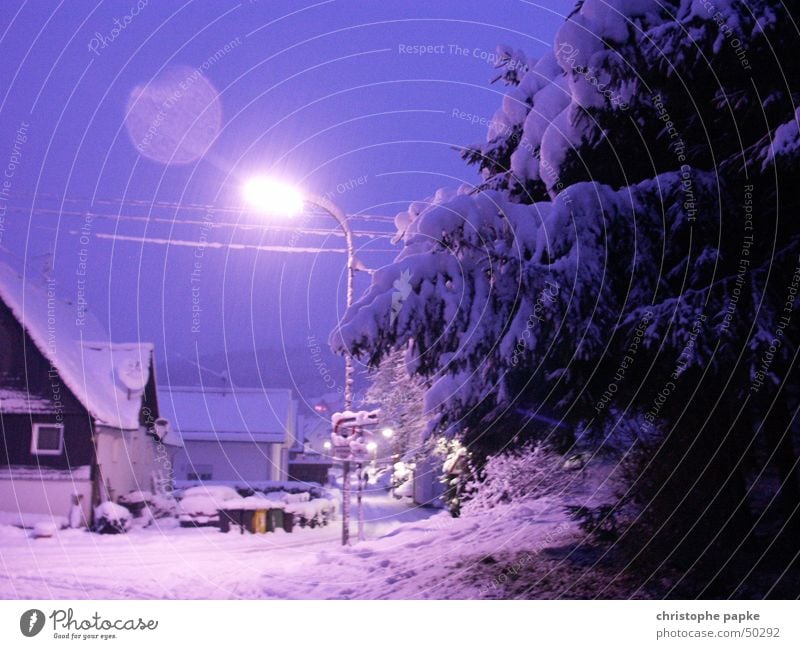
200 506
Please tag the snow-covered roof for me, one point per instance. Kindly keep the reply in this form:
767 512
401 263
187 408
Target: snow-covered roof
107 378
227 414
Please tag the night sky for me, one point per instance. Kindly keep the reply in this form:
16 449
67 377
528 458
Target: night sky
334 96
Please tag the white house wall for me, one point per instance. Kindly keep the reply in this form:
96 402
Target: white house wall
231 461
126 460
37 496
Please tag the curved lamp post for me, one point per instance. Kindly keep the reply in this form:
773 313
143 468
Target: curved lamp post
270 195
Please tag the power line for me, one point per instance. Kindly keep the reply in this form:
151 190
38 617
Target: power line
222 245
371 234
179 206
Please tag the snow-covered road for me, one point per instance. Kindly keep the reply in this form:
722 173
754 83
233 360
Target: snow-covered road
413 553
165 561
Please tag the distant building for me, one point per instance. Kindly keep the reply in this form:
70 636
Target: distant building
309 460
231 434
78 413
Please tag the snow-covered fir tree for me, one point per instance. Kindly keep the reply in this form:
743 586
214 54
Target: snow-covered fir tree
630 254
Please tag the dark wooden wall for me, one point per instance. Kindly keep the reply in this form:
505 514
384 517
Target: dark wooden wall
23 368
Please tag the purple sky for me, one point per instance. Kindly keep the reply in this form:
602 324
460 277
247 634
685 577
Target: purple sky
322 92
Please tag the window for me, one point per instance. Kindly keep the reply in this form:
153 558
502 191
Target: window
47 439
200 472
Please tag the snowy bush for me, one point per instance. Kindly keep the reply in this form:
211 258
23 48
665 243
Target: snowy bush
312 513
529 472
111 518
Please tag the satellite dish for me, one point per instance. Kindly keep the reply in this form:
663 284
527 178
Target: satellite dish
132 374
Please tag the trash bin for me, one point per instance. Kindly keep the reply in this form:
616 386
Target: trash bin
258 522
274 520
231 518
288 521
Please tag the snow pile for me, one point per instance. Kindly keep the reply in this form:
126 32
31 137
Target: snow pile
297 498
27 520
215 492
250 503
277 496
45 529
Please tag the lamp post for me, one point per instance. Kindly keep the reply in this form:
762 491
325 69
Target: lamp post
331 208
268 194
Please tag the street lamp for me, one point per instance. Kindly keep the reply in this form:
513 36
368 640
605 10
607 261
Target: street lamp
387 433
268 194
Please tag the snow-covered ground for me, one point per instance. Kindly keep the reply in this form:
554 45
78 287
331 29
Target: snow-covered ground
410 553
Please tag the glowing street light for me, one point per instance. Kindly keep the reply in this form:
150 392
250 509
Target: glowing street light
372 447
387 432
327 446
273 196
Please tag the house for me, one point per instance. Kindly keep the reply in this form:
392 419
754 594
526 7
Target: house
231 434
78 413
309 459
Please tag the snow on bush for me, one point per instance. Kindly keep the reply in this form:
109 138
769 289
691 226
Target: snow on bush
531 472
312 512
111 518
